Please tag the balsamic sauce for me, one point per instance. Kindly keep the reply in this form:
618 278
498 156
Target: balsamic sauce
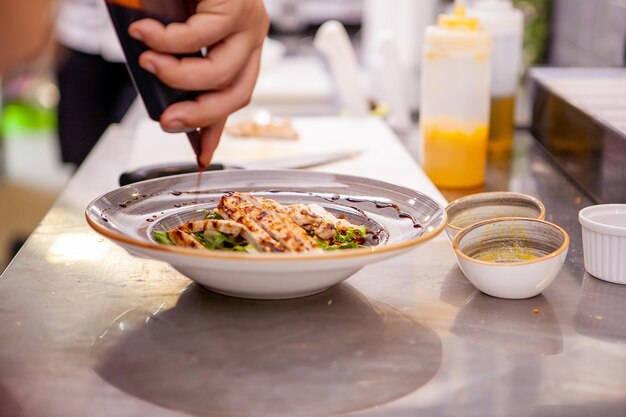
382 205
126 203
103 217
375 235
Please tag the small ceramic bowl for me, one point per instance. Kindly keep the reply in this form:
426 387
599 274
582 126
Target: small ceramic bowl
604 241
485 206
511 257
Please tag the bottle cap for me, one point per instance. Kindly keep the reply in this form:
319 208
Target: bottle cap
458 19
498 16
458 34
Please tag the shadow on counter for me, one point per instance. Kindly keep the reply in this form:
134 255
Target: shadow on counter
601 312
604 409
213 355
9 406
527 326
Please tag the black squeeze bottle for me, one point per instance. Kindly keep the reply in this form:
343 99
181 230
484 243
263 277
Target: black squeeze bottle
156 95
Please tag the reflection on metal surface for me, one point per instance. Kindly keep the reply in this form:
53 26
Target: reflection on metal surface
76 247
9 406
523 326
604 409
213 355
601 312
456 290
578 116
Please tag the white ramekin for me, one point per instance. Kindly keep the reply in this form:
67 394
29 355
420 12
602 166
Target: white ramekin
604 241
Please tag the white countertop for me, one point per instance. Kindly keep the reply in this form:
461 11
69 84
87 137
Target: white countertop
382 155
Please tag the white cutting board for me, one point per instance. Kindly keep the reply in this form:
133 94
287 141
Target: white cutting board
383 157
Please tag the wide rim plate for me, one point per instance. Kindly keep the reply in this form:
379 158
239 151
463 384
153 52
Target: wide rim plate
129 214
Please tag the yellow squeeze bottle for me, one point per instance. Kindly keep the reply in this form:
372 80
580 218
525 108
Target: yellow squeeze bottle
455 100
506 25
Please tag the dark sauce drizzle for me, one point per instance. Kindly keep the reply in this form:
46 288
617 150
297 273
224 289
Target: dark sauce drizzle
136 198
103 216
382 205
376 234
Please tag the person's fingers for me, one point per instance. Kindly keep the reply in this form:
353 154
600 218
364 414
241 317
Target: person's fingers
210 138
198 31
212 106
215 72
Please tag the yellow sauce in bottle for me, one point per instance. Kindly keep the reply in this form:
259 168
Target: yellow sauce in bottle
454 157
501 124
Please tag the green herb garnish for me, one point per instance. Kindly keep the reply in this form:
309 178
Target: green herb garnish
163 238
353 234
222 241
327 246
351 238
212 215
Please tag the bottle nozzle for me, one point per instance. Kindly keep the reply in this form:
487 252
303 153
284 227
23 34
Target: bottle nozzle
458 19
459 8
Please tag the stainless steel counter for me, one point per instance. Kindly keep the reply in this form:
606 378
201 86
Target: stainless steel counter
88 330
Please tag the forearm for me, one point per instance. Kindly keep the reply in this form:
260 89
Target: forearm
25 28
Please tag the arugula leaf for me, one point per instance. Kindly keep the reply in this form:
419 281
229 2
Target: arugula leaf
351 238
222 241
212 214
326 246
209 244
351 235
162 238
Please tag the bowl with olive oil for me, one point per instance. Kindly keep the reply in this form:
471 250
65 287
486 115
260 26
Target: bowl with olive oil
511 257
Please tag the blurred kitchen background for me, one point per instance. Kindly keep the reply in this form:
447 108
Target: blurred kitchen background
295 80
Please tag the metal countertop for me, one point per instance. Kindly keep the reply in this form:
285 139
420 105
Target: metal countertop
88 330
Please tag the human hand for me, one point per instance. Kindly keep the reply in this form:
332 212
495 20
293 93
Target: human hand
25 28
233 31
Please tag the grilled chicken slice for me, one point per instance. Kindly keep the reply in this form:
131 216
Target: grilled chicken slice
311 222
304 217
181 238
227 227
276 224
181 235
254 234
339 224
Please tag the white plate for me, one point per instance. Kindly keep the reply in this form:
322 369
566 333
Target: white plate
399 218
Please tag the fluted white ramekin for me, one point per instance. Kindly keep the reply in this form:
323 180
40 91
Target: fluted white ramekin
604 241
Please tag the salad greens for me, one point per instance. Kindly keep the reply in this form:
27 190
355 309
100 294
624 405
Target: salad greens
221 241
350 235
352 238
212 214
214 232
162 237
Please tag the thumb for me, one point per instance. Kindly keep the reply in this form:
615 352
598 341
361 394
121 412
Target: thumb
209 139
